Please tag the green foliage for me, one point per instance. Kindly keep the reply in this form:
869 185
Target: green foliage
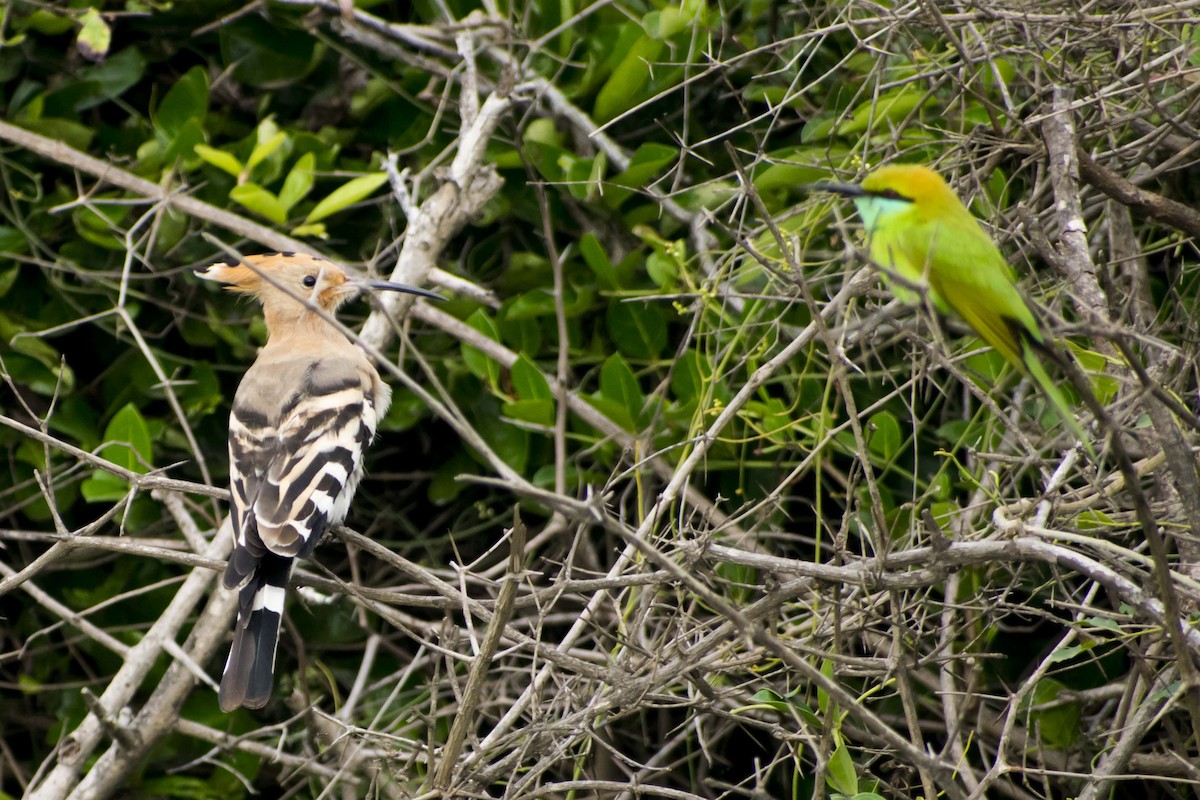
129 447
653 228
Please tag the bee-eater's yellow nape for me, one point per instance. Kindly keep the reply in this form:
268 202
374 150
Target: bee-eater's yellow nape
916 193
913 182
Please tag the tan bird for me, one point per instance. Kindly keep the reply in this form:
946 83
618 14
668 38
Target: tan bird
302 418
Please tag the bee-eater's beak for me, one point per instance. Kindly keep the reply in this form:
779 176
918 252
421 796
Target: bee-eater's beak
844 189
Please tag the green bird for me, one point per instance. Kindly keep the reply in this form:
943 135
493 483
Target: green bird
918 229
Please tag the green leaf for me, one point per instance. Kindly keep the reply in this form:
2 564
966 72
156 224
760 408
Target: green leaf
648 162
201 394
186 101
521 335
94 37
741 579
1095 364
891 107
1093 519
346 195
269 140
506 440
619 385
114 77
583 176
841 775
1058 725
687 377
299 181
257 199
795 167
529 381
614 410
8 277
220 159
183 143
819 126
266 53
43 20
676 18
172 227
535 400
12 240
552 163
772 418
771 699
939 486
1068 653
825 704
67 131
637 328
317 230
45 371
598 262
132 449
127 444
537 303
538 412
477 362
662 269
1104 624
100 223
531 305
543 131
885 439
944 513
785 704
626 87
406 410
445 486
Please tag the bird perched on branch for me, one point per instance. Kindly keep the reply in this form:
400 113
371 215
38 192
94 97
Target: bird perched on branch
919 231
302 418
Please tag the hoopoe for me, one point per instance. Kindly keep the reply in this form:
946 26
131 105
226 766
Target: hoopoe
302 417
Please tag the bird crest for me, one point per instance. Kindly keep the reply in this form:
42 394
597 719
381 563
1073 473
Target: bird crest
275 277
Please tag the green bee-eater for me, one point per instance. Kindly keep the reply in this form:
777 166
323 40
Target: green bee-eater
918 229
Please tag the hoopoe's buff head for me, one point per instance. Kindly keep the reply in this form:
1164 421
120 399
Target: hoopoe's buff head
290 285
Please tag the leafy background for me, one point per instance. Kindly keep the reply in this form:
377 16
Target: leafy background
782 537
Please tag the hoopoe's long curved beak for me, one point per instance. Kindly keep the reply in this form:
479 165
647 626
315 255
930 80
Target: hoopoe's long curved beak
389 286
371 284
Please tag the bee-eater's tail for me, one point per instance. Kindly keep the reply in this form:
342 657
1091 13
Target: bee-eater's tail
1032 362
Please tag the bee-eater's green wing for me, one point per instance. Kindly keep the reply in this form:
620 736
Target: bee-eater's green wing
968 276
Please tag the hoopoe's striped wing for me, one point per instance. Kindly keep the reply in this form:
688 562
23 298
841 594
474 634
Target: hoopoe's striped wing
253 444
290 480
260 576
309 484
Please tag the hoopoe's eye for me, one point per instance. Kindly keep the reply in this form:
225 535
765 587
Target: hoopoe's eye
310 281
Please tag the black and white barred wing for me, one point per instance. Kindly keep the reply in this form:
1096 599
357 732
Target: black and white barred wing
290 482
253 445
309 485
260 576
